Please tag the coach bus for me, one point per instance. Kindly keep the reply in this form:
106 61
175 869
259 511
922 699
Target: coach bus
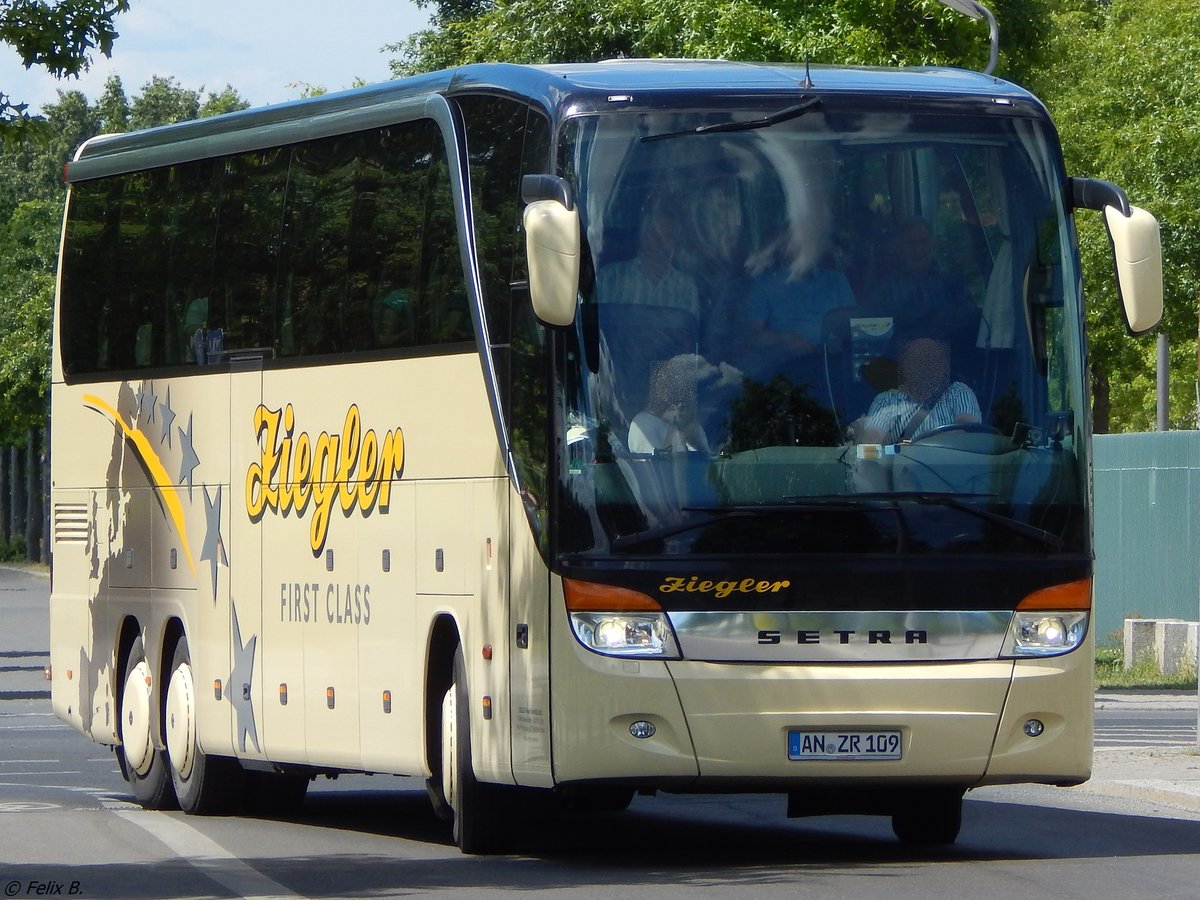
526 429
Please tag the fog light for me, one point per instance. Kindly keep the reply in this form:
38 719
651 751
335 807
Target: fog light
642 730
1034 727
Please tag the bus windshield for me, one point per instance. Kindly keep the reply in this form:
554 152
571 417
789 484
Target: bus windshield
821 327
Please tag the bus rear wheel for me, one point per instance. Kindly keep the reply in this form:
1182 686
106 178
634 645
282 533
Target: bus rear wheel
481 823
204 785
143 765
934 821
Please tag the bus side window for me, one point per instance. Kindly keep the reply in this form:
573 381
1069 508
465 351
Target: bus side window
247 247
88 266
387 230
445 312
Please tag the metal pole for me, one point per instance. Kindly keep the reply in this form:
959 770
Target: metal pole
1164 384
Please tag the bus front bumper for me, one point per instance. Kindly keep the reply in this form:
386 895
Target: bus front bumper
723 726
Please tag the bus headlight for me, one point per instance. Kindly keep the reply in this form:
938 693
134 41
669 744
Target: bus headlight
1039 633
627 634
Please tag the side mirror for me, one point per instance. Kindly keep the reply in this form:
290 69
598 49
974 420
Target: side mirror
1136 248
552 245
1137 256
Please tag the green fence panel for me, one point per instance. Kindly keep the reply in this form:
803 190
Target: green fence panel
1146 488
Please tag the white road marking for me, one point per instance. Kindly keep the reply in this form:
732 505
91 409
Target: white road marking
208 856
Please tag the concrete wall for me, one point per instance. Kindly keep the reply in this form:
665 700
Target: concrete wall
1171 642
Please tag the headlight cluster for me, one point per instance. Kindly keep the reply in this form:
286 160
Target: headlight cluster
1038 633
645 635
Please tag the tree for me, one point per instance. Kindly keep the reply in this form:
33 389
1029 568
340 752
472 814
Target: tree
226 101
113 107
898 32
1121 84
163 101
28 250
60 36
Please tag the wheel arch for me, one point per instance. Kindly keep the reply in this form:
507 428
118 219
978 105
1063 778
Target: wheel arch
128 631
173 632
444 638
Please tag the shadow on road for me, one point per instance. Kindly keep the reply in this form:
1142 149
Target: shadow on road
712 842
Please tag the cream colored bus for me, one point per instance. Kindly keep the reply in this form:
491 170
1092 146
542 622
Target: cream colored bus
558 433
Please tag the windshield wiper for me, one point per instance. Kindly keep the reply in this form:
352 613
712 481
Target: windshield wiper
662 531
715 514
783 115
829 502
954 501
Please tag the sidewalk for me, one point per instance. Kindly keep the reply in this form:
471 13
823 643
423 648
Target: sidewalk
1166 775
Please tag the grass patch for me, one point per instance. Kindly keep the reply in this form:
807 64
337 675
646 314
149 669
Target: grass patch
1144 674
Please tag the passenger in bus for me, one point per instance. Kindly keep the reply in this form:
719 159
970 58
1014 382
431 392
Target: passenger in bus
396 319
651 277
912 287
204 343
670 423
790 296
925 399
713 249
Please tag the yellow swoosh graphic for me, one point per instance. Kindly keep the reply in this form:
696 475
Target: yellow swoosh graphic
157 471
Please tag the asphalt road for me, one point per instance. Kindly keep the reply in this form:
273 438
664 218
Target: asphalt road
68 828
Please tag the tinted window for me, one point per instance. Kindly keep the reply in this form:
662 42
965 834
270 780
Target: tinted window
505 140
336 246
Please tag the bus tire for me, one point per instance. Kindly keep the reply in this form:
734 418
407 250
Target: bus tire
930 823
205 785
144 766
481 823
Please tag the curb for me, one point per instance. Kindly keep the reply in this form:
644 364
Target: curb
1161 791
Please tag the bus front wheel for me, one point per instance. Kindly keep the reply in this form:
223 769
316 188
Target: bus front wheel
480 823
143 765
205 785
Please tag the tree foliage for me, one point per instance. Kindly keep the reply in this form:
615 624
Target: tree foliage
31 210
1121 85
883 32
60 36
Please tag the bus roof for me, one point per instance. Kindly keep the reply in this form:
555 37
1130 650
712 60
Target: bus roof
554 87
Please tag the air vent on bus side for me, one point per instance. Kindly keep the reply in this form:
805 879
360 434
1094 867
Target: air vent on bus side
70 523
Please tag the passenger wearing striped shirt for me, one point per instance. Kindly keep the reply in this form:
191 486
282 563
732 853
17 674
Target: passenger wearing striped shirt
925 399
651 276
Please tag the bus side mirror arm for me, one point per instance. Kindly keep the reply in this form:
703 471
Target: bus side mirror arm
1136 249
552 245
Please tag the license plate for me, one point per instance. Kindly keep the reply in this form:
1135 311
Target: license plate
844 745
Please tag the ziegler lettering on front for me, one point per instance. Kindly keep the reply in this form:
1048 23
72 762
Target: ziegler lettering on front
720 589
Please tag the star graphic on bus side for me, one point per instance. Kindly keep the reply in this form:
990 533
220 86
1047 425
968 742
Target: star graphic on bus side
168 419
190 459
214 545
147 400
240 689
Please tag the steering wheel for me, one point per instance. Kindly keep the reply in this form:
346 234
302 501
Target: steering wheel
966 427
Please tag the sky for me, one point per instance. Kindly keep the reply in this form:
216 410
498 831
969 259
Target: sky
267 50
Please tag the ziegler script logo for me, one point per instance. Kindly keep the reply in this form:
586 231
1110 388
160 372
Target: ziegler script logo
297 471
721 589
